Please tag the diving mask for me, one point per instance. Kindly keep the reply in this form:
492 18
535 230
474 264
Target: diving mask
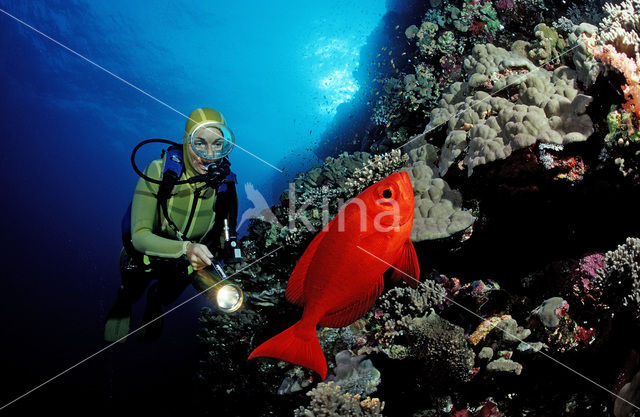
211 140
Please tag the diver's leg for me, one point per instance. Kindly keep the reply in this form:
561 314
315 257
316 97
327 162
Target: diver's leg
170 287
151 325
135 280
162 293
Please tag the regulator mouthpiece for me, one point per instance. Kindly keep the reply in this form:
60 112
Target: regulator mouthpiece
213 283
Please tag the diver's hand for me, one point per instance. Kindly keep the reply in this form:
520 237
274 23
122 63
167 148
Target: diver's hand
198 255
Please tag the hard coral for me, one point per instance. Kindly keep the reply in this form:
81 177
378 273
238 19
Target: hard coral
438 208
623 275
394 314
581 41
563 333
328 400
621 26
444 349
375 169
355 374
547 108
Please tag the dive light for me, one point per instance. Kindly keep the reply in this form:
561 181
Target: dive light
231 251
213 282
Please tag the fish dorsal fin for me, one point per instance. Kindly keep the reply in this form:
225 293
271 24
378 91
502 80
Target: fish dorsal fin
347 315
295 286
408 263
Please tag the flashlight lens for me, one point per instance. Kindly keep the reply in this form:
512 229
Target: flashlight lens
229 298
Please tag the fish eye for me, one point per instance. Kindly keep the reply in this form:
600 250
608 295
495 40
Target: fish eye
387 193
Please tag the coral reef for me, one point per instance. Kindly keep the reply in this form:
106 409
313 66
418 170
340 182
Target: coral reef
621 130
621 27
589 11
586 283
443 348
355 374
421 90
547 108
226 339
393 315
389 105
438 209
375 169
545 49
582 39
313 199
630 68
328 400
504 365
508 330
562 332
629 394
619 52
471 342
622 282
551 311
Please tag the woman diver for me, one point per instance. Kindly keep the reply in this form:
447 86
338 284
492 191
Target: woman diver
183 209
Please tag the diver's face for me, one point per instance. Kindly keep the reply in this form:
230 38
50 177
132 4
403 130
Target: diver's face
206 141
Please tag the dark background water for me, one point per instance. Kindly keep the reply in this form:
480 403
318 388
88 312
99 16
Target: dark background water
293 81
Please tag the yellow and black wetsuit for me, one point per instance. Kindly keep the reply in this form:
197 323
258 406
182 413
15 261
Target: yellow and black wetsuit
197 210
157 246
191 207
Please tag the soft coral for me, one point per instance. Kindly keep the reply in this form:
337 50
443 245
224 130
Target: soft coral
630 68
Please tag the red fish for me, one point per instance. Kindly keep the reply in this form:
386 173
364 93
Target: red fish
339 276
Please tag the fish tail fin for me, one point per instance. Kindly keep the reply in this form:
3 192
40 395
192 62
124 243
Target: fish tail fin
298 345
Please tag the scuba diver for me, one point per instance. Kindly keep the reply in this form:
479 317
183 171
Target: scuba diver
181 219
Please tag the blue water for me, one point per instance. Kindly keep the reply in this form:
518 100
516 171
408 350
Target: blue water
279 72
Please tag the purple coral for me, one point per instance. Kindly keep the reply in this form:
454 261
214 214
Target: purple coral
503 5
586 279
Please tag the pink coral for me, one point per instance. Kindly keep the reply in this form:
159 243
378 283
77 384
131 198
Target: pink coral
586 281
451 285
504 5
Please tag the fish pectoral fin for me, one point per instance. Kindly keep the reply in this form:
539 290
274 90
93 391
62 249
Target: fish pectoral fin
295 286
407 262
347 315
